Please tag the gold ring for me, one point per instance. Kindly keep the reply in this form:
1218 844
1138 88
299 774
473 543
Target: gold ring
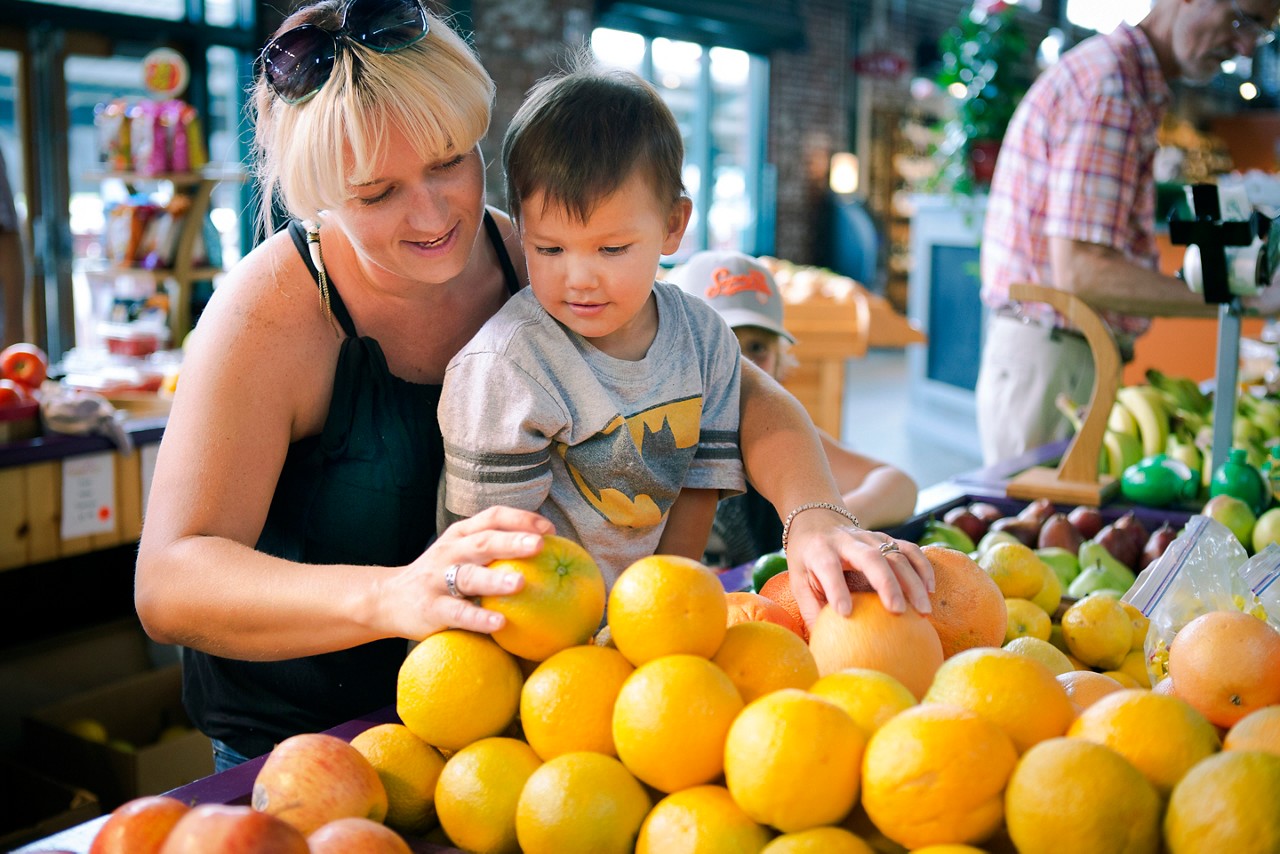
886 548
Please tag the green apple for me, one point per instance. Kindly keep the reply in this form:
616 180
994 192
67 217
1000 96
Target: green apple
1234 513
1266 530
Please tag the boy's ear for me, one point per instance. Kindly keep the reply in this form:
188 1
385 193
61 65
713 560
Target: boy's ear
677 222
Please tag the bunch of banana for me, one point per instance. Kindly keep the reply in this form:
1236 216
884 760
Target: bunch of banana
1149 409
1263 413
1121 446
1182 393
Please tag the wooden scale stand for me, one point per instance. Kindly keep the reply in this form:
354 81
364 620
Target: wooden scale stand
1076 480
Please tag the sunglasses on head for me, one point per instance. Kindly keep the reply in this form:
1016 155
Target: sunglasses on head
298 62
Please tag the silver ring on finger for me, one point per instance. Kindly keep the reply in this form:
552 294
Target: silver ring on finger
451 580
887 548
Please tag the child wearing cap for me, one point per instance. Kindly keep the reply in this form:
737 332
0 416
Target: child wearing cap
744 293
603 399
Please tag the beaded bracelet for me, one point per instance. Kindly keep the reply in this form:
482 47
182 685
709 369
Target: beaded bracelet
815 505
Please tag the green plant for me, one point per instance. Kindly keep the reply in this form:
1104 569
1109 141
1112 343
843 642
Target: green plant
982 68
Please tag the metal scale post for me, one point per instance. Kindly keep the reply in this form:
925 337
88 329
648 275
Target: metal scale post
1212 235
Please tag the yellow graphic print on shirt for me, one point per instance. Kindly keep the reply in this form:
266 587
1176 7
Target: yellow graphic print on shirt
649 460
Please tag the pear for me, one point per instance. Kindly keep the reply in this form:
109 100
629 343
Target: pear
1027 531
1161 538
1058 531
966 520
1088 520
1064 563
1099 569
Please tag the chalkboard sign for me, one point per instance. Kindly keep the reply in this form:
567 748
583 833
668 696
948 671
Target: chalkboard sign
955 316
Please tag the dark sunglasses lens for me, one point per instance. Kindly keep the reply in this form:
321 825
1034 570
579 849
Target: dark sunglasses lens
385 25
298 62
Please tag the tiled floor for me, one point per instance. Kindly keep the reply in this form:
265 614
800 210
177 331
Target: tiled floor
877 415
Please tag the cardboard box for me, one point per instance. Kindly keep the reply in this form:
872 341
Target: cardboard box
35 806
137 710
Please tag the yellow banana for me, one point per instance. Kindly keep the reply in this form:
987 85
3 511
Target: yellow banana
1130 448
1070 410
1121 420
1151 413
1112 453
1180 448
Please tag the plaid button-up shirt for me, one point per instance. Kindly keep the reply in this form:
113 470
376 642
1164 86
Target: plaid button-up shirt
1076 162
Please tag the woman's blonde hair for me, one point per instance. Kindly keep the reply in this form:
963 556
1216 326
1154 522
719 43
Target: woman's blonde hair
435 92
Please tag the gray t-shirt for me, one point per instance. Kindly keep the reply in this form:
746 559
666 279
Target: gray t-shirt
533 416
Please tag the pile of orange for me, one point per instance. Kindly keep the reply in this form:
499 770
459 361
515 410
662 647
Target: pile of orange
712 721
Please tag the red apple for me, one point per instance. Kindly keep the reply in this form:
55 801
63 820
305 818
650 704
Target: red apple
24 363
357 836
13 394
311 779
139 826
229 829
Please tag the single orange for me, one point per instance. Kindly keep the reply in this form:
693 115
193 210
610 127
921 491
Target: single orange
1226 664
935 774
667 605
1086 687
745 606
671 719
903 645
566 705
968 607
762 657
778 589
1258 730
1163 737
1016 693
560 605
1226 803
1068 794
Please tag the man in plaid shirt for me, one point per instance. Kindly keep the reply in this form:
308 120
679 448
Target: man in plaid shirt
1072 206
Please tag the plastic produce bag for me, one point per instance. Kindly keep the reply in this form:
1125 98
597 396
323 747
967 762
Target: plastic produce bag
1198 573
83 413
1262 576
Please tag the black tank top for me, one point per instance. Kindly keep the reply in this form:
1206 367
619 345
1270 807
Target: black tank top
363 492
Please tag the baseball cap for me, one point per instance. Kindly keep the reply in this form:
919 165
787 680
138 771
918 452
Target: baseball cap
738 287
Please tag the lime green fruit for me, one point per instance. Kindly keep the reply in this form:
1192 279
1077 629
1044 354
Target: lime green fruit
766 567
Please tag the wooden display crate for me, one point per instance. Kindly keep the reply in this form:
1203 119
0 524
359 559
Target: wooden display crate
31 512
828 333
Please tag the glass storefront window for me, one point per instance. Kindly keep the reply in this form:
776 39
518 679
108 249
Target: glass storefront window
712 93
169 10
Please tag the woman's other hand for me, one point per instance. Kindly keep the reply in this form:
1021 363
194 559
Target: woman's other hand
822 546
418 599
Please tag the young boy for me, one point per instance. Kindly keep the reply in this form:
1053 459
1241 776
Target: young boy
618 411
745 294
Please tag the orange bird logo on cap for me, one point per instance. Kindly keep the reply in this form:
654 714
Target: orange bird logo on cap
725 282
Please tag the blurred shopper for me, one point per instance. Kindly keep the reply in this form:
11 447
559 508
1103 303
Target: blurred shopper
288 542
746 295
1072 206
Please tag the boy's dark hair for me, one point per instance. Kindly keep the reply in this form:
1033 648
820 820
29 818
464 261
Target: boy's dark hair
578 135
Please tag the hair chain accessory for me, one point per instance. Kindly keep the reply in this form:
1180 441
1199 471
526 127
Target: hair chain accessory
815 505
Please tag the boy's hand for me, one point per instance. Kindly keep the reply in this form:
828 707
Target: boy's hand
823 546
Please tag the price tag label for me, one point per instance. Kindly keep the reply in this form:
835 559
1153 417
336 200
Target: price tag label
88 495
